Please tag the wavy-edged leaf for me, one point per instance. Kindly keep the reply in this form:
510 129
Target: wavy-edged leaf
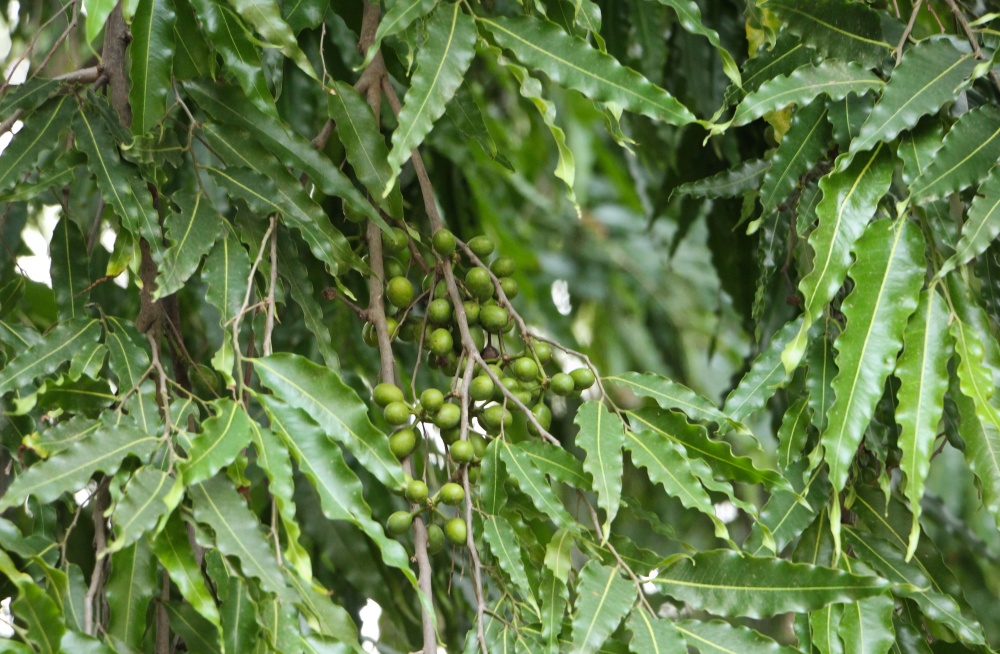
127 359
573 63
968 152
467 116
103 450
888 273
265 16
673 395
554 461
917 148
601 436
335 407
142 505
122 187
237 532
399 15
689 15
765 377
866 626
492 495
554 597
69 269
173 550
130 588
850 198
363 142
793 433
927 76
847 116
982 225
787 513
304 14
923 374
440 68
28 95
500 536
227 274
45 625
340 491
982 446
803 145
823 625
222 438
731 584
533 483
821 368
151 59
720 637
40 132
603 599
58 437
228 105
653 635
839 28
193 57
192 232
237 612
299 284
833 78
731 183
194 630
786 54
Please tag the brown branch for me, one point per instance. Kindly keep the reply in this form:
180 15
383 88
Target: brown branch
971 36
91 613
909 29
269 319
116 40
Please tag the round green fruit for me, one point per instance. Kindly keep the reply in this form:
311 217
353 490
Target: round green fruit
403 442
562 384
440 341
462 452
451 494
509 287
524 369
444 242
451 435
395 240
478 444
474 472
543 351
543 414
482 246
431 400
369 335
399 523
385 393
439 311
583 378
493 318
479 283
456 531
416 491
481 388
435 539
503 267
471 312
394 268
397 413
496 417
448 416
399 291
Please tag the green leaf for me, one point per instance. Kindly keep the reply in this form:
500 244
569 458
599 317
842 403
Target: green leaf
731 183
44 620
399 15
689 15
103 450
554 461
335 407
866 625
574 64
296 277
923 374
237 611
803 145
193 56
28 96
653 635
739 585
467 116
850 198
967 153
839 28
833 78
192 232
58 437
265 16
340 491
601 436
765 377
40 132
982 225
193 629
151 56
69 271
227 275
603 599
143 504
441 65
303 14
173 550
823 629
364 144
554 597
237 532
982 446
78 643
492 495
97 12
130 589
719 637
928 75
672 395
533 484
917 148
793 433
888 273
222 438
127 359
787 513
500 536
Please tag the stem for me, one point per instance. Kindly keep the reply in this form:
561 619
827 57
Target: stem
970 35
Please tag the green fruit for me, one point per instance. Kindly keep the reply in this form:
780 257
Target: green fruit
393 268
543 351
474 473
503 267
525 369
479 283
562 384
448 416
408 331
439 311
435 539
399 291
482 246
395 240
440 341
397 413
462 452
509 287
493 318
369 335
496 417
583 378
543 414
508 326
403 442
385 393
431 400
399 523
481 388
451 494
510 384
471 312
416 491
478 444
523 396
444 242
451 435
456 531
441 289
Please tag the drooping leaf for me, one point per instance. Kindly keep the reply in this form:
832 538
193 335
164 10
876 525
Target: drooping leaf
440 68
227 275
533 484
765 377
335 407
719 637
501 538
554 597
673 395
304 14
823 624
40 132
28 96
196 631
296 276
44 620
793 433
968 152
850 198
923 374
603 599
866 625
839 28
130 587
821 369
601 436
192 232
803 145
58 437
653 635
982 225
554 461
731 183
467 116
398 16
265 16
222 438
193 57
492 495
689 16
173 550
787 513
70 274
151 56
833 78
237 612
573 63
143 504
740 585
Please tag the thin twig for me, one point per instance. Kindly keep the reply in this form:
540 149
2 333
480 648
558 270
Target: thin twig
9 121
269 317
32 44
333 294
92 616
909 29
971 36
